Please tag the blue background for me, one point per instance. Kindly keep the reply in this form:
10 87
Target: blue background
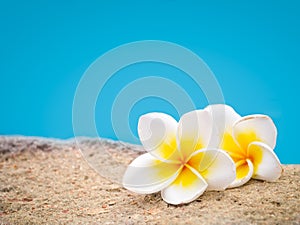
45 46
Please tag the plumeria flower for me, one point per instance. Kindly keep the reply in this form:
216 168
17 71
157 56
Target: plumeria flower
179 161
249 141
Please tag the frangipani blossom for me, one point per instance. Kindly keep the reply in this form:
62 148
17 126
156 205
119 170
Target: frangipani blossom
180 162
249 141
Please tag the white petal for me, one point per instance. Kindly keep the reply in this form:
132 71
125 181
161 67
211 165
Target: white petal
157 132
195 131
255 128
244 173
146 174
223 117
188 186
215 166
266 164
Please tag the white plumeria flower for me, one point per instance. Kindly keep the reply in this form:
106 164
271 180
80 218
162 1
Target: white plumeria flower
249 141
180 162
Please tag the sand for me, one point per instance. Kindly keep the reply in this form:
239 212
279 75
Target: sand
45 181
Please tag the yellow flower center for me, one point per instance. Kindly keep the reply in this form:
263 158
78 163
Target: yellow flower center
238 150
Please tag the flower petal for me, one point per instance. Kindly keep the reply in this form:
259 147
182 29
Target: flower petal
266 164
255 128
215 166
195 131
188 186
146 174
230 145
244 172
223 117
157 132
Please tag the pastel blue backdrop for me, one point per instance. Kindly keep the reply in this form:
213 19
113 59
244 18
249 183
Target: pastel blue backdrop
45 46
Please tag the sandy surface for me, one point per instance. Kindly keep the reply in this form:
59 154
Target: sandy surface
49 182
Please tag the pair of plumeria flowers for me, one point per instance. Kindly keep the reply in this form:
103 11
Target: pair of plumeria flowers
214 149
